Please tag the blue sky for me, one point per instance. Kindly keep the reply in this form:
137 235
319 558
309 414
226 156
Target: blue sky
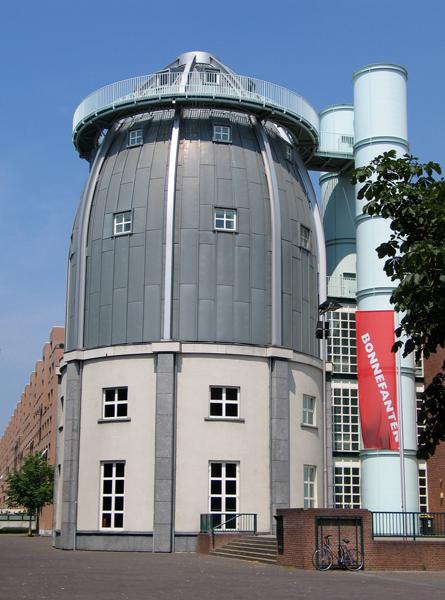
53 54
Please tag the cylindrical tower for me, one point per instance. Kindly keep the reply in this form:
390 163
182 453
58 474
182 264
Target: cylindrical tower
380 124
191 311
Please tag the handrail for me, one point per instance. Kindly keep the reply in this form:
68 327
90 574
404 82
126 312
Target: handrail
170 84
408 524
237 522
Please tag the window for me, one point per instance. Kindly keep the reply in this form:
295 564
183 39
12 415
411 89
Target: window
423 488
347 485
305 237
222 133
224 402
212 77
308 410
115 404
309 475
289 153
342 352
122 223
345 416
224 219
135 137
112 500
223 492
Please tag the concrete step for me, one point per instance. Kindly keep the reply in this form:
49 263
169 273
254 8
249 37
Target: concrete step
224 554
257 548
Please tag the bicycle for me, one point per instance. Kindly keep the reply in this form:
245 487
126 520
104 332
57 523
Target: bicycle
349 558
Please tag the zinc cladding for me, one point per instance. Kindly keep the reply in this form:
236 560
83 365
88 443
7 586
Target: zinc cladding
221 281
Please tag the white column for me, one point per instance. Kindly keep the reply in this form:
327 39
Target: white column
380 124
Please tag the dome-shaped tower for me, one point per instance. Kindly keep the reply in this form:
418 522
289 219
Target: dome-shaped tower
191 309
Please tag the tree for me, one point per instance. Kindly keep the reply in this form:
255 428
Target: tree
412 195
31 486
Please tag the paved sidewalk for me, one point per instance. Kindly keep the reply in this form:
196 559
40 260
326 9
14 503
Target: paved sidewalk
31 570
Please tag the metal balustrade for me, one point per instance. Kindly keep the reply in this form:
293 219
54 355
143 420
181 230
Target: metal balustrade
172 83
229 522
408 524
195 86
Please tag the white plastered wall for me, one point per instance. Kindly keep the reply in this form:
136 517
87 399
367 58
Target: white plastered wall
200 441
132 441
306 443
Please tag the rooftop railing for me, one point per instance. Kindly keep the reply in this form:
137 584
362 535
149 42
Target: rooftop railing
342 286
195 84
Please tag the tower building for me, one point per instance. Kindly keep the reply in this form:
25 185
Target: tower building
193 388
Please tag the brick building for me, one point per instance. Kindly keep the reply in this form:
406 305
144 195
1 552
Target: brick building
32 427
436 464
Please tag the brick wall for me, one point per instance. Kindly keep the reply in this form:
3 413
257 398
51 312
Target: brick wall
382 554
32 427
436 464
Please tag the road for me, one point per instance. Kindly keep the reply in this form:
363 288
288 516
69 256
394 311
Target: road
30 569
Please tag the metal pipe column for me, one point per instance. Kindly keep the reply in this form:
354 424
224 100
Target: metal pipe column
380 124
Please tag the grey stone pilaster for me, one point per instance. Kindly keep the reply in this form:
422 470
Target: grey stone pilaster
163 518
70 476
279 435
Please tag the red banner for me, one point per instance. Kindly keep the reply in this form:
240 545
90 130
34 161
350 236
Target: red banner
377 383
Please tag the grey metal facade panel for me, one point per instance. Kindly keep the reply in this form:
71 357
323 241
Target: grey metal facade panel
135 322
119 319
135 269
224 313
206 320
152 313
105 315
188 306
221 281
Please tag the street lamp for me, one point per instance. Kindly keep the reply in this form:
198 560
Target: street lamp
322 333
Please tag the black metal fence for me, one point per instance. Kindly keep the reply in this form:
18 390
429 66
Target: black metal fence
408 524
236 522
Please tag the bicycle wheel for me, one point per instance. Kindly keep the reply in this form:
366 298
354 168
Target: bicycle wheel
353 559
322 559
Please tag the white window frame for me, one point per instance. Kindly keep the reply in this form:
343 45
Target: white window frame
115 403
305 237
309 411
342 343
347 482
223 218
123 222
225 496
224 402
113 495
212 77
309 486
222 133
345 416
135 138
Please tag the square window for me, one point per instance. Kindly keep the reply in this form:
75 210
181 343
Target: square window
122 223
134 137
115 403
224 219
212 77
308 410
222 133
224 402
